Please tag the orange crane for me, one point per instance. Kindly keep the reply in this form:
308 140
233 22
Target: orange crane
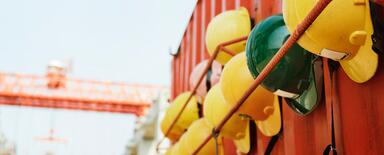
55 90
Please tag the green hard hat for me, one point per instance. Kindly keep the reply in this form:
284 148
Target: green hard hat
297 77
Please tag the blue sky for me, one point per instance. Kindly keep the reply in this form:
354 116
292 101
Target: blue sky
116 40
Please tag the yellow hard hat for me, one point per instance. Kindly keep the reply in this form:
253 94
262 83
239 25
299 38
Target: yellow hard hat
190 114
196 134
236 128
176 131
177 149
342 32
272 125
235 80
260 105
215 110
243 145
169 150
227 26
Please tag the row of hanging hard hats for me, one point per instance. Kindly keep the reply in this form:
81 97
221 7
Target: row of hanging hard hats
193 110
302 84
342 32
297 77
336 34
262 106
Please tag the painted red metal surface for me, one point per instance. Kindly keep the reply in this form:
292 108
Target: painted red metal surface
361 117
30 90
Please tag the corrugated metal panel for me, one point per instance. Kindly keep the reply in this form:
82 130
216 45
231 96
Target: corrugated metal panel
359 108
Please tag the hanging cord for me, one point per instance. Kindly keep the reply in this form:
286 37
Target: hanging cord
215 136
271 144
328 72
297 33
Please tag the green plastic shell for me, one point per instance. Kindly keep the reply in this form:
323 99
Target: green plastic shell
293 74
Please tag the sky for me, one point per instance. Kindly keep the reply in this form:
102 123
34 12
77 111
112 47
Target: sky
117 40
85 133
114 40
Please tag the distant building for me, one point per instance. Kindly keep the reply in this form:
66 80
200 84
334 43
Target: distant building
147 130
6 148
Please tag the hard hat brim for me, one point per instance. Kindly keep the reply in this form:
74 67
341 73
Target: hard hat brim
363 65
196 134
244 144
272 125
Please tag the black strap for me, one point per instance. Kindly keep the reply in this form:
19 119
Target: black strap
377 16
200 110
271 144
329 68
252 137
208 80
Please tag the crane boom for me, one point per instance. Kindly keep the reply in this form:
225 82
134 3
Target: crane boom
103 96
